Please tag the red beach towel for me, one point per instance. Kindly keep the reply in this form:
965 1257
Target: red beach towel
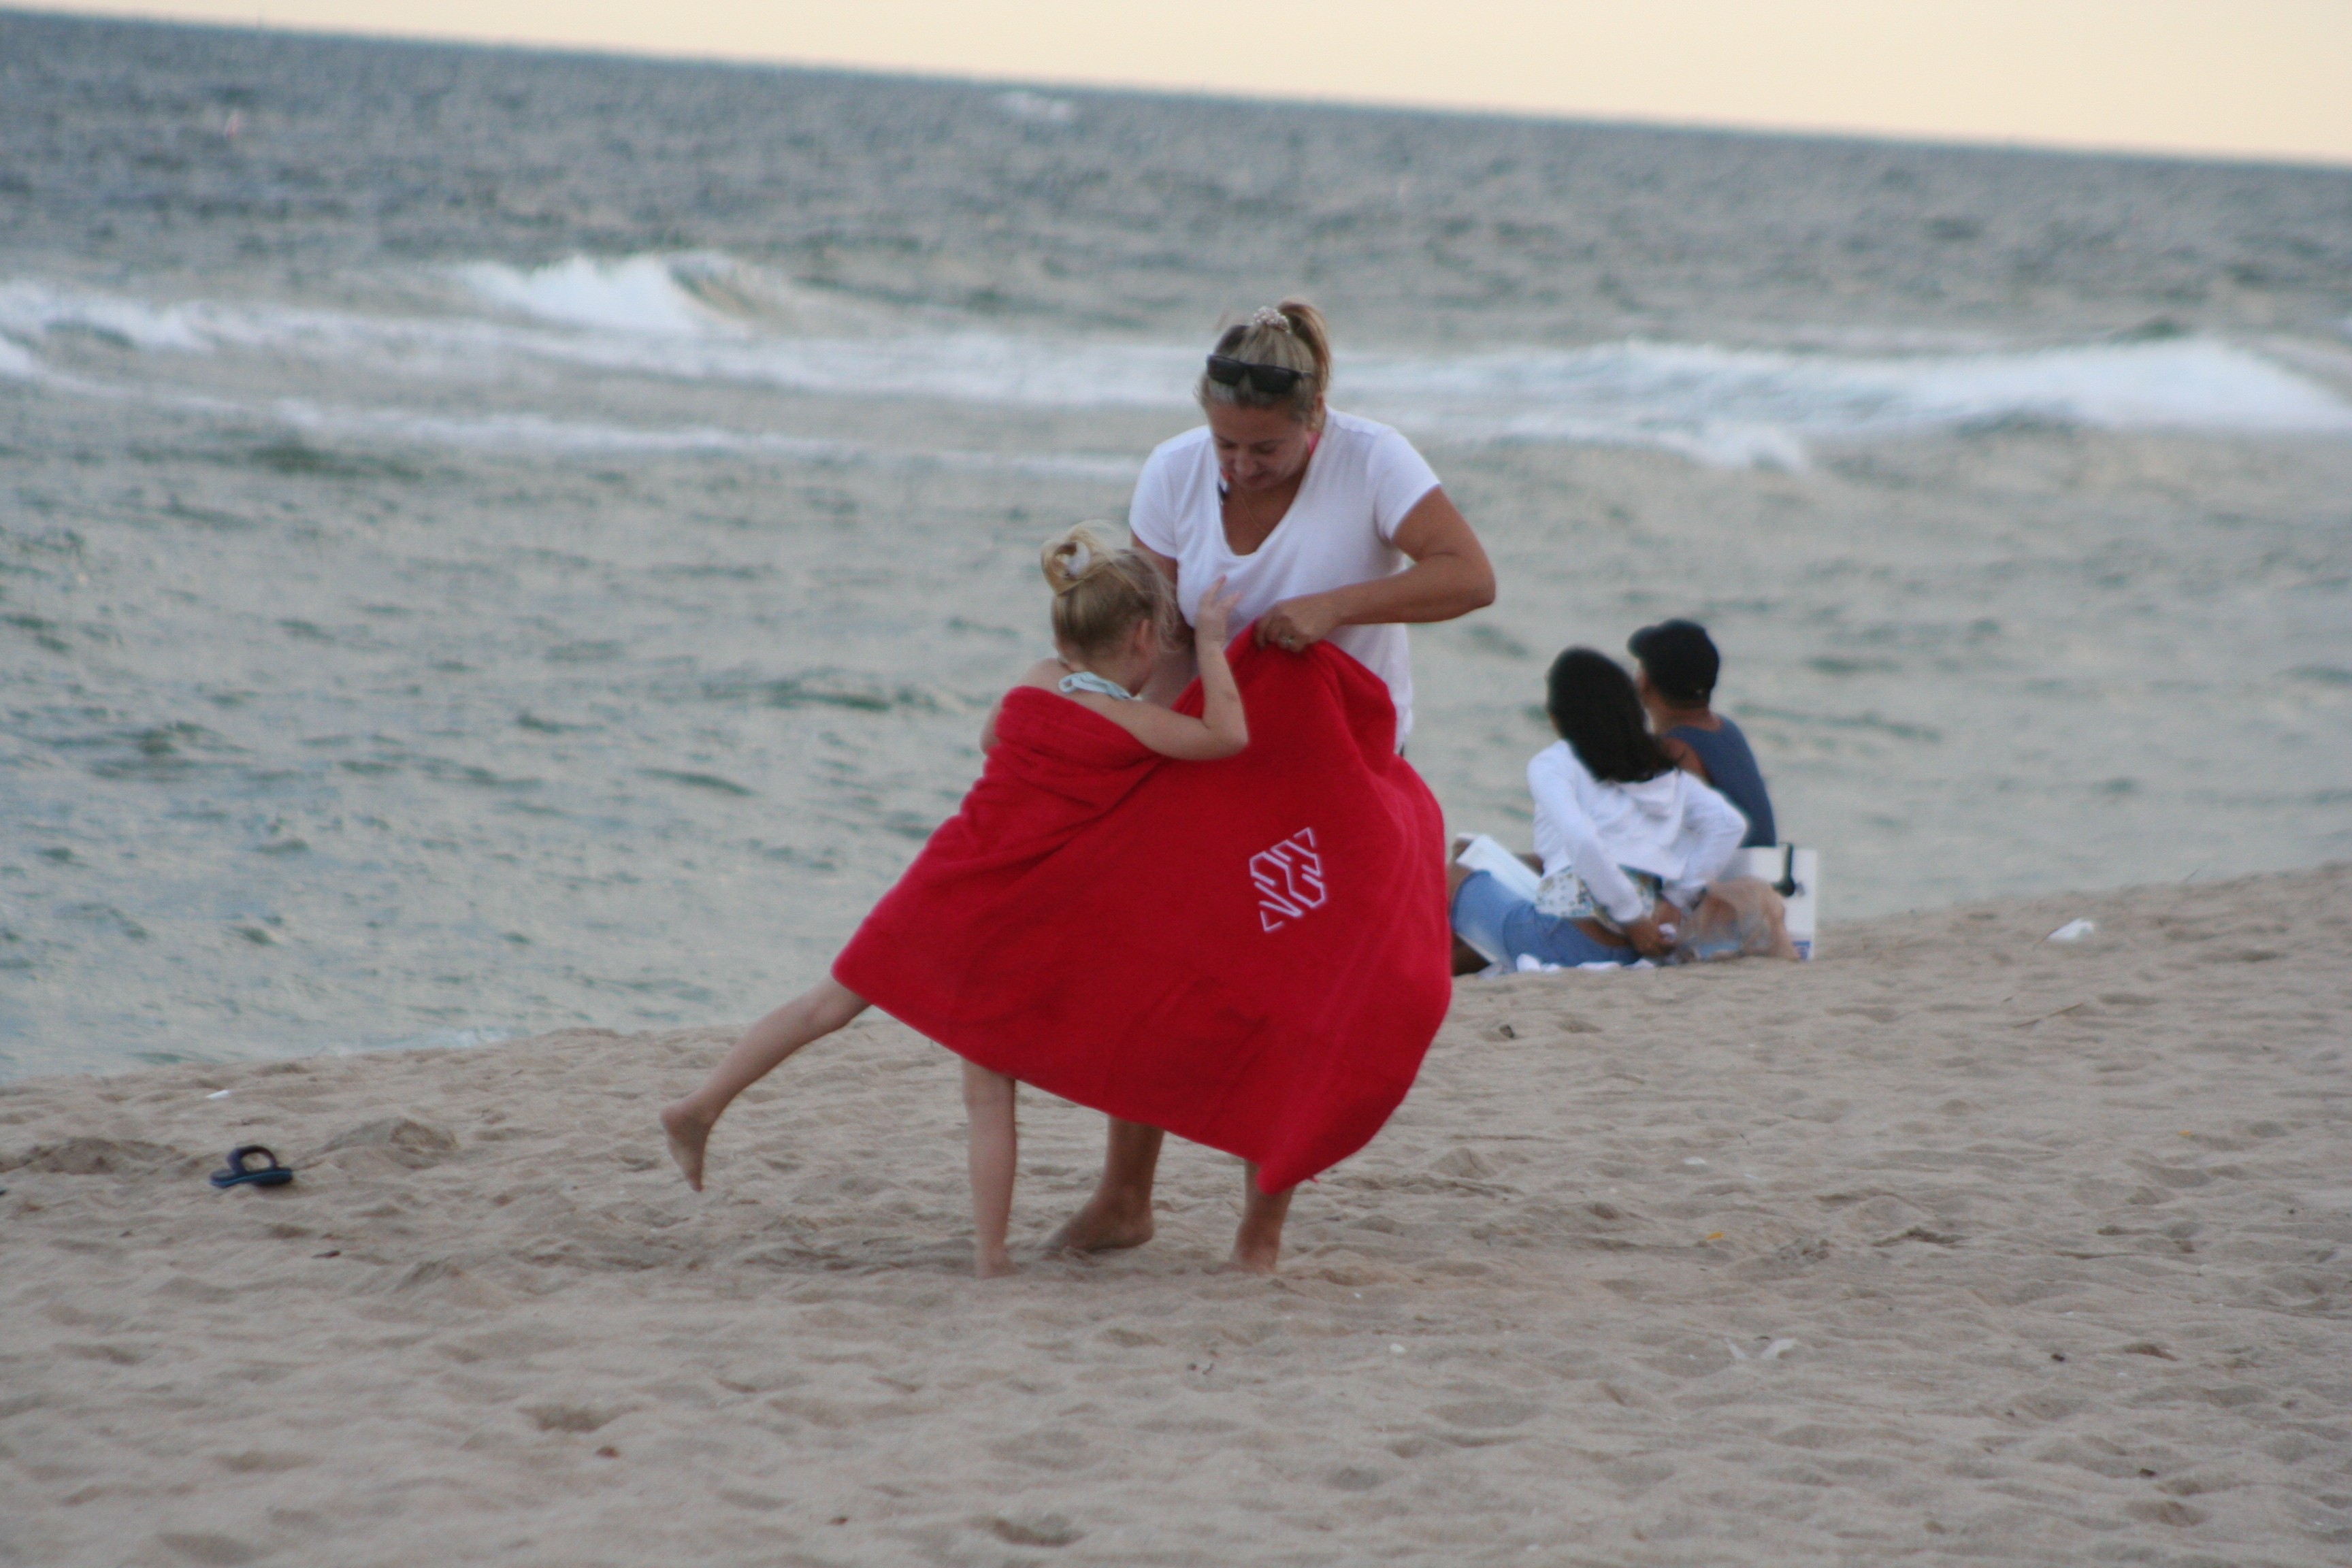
1251 953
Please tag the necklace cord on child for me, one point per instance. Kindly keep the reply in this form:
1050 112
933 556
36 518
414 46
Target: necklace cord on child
1087 680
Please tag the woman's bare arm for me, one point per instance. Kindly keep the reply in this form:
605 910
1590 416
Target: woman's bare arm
1168 567
1450 576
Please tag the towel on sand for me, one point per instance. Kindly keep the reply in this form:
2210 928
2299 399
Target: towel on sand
1251 953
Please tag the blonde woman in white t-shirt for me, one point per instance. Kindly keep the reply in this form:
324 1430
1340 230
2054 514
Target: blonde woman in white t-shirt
1328 528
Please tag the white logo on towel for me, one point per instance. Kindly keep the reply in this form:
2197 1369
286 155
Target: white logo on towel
1289 879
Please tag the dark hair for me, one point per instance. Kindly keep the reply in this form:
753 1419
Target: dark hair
1680 659
1596 711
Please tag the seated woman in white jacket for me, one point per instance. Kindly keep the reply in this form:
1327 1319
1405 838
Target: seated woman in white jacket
1628 840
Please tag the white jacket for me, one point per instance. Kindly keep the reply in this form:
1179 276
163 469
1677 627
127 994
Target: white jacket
1672 826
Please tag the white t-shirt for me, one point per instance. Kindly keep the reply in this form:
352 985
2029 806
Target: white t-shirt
1340 531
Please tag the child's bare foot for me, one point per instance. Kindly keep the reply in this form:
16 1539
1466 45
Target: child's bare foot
1254 1258
996 1266
1257 1245
1105 1225
688 1133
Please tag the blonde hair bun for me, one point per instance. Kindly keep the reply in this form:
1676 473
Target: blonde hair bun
1289 336
1070 558
1101 592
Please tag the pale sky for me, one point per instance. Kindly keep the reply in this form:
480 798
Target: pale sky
2231 78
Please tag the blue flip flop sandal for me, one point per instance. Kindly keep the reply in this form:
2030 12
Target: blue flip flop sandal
237 1173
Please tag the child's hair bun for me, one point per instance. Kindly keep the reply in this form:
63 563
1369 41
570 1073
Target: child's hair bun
1101 591
1072 557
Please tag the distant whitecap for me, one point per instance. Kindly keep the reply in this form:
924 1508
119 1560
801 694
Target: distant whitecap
1037 106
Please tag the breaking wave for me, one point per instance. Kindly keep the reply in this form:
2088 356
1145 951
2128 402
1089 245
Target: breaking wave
708 319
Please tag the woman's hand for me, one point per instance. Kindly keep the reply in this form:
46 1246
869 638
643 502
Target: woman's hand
1215 609
1654 934
1299 623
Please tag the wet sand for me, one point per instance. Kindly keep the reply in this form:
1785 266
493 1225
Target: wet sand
1955 1244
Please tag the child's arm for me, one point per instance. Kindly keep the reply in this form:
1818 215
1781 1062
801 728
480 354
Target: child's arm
1221 708
1222 729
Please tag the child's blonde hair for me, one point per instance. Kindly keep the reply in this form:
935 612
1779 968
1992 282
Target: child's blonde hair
1101 592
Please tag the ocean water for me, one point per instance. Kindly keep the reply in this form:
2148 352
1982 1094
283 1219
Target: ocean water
493 541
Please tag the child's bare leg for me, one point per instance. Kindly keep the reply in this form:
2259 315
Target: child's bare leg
1258 1243
995 1149
811 1015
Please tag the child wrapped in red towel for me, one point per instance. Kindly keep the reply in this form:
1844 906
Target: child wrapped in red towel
1238 937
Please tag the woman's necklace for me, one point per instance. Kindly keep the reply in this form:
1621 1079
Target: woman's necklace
1249 521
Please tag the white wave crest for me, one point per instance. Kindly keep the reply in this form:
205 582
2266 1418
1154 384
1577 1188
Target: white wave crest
684 296
532 432
30 309
17 364
544 433
1747 406
35 312
640 295
703 319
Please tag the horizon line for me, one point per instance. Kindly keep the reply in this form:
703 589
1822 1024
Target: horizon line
1114 87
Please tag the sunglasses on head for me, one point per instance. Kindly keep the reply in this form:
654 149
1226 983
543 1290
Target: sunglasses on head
1273 380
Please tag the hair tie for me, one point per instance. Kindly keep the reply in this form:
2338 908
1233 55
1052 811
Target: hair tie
1077 561
1267 316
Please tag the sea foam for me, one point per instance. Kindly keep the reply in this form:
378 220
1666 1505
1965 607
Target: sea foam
640 295
539 433
1742 407
707 319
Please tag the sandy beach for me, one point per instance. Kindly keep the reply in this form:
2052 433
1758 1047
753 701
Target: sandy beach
1957 1245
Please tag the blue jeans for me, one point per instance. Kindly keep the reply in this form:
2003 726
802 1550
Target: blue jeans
1493 919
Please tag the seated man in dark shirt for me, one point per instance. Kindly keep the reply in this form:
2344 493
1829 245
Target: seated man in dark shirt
1677 683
